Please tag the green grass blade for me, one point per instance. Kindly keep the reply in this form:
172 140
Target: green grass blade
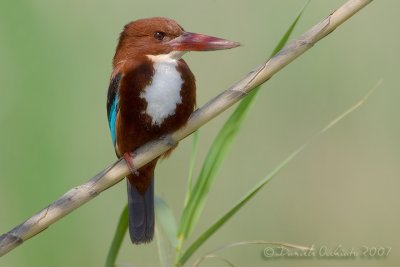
163 246
166 220
211 230
193 158
210 167
289 31
246 243
215 156
222 259
118 238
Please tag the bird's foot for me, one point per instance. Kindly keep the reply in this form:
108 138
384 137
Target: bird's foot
129 162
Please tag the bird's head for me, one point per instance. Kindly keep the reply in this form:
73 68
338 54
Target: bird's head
157 36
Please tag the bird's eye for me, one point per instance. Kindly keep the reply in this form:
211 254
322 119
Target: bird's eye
159 35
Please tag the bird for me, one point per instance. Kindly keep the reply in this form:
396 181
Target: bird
151 92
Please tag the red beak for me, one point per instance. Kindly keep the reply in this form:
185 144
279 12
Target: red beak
189 41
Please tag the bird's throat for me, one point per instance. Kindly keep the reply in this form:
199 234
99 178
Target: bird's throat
163 94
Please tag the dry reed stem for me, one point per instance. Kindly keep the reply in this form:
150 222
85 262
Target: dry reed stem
79 195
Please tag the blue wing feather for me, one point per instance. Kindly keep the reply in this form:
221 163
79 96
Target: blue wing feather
112 105
113 117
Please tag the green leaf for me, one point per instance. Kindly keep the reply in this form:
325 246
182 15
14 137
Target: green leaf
289 31
214 227
213 160
215 156
165 218
212 254
193 158
164 247
210 231
118 238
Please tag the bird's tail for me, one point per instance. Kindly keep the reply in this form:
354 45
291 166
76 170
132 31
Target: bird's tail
141 213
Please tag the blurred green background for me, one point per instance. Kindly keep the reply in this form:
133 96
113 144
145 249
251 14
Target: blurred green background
344 189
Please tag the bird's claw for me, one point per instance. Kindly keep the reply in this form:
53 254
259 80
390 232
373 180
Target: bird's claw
129 162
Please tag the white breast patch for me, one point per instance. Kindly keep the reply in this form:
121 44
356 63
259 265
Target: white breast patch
164 92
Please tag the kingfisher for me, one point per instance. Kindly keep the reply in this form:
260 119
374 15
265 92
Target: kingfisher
152 92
